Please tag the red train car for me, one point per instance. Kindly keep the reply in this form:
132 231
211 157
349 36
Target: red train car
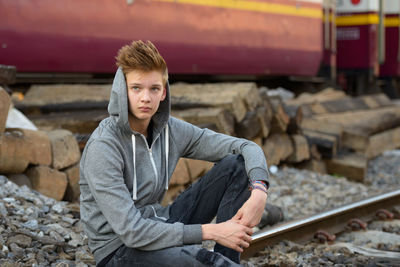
368 45
257 37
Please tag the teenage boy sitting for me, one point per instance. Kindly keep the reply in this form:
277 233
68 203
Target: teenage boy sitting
127 164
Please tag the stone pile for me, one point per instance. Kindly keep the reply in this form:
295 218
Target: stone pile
44 161
36 230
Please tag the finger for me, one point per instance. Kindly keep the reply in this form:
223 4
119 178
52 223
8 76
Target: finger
249 231
247 238
244 244
238 249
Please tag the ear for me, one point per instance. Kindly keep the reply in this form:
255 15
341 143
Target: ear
164 93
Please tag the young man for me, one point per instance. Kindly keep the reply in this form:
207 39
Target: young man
127 164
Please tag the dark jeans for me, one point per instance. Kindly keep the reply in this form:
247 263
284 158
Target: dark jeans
220 192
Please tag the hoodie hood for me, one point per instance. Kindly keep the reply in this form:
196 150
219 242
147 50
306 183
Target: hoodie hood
118 110
118 106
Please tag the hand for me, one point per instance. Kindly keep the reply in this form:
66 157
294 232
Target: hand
229 234
250 213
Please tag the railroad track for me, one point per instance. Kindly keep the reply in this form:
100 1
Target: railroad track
326 225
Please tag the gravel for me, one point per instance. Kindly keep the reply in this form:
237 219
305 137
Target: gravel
301 193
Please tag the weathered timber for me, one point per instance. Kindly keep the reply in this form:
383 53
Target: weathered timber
327 94
327 144
77 106
64 97
315 125
346 104
246 90
185 96
249 127
264 120
374 145
296 117
198 116
82 122
47 181
258 140
197 168
301 149
171 194
294 109
7 74
266 103
37 145
314 165
349 165
280 119
5 102
40 95
20 179
72 191
65 149
277 147
314 153
181 174
364 121
14 153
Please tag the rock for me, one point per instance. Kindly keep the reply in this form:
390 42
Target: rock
31 224
65 149
21 240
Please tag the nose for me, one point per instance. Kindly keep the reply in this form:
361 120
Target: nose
145 96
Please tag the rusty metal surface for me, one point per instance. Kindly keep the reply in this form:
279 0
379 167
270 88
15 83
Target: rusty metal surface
332 221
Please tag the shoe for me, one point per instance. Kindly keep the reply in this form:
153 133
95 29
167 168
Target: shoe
271 215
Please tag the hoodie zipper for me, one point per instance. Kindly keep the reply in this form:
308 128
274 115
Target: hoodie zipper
153 164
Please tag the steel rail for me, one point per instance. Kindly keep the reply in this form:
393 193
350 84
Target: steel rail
332 221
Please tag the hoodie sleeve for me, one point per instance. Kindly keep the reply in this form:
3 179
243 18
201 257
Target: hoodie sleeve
204 144
103 170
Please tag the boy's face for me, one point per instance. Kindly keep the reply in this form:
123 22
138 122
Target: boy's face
145 91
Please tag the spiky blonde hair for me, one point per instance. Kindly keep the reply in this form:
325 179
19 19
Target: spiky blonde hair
142 56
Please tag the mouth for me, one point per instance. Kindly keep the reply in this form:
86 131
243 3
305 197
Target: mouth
144 109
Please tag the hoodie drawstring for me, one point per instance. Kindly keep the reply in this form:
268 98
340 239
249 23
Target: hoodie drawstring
134 190
166 155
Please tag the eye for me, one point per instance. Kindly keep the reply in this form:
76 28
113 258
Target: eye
155 88
135 88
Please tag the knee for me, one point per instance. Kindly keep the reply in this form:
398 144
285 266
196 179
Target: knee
234 164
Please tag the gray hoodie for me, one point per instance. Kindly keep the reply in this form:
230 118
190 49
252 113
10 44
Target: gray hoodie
123 180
